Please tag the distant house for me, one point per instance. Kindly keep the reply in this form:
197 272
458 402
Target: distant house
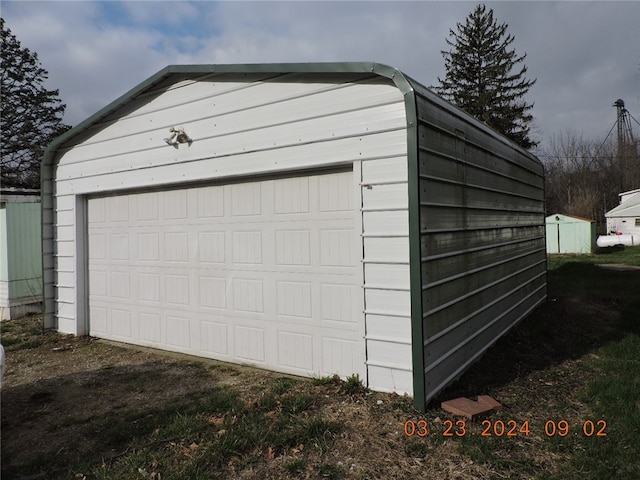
20 253
570 234
625 218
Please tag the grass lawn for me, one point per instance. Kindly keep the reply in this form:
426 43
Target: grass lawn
568 378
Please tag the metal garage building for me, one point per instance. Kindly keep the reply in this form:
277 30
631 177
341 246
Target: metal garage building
307 218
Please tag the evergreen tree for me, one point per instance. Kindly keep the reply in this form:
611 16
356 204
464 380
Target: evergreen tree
480 76
30 117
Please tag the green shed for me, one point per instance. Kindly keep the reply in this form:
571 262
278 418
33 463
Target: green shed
570 234
20 253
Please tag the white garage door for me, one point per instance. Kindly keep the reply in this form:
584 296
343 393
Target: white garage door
262 273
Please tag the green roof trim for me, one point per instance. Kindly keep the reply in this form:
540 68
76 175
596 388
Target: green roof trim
415 255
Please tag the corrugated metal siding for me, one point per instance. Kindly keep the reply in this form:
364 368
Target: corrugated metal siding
482 238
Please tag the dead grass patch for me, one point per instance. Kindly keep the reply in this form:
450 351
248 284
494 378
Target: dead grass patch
82 408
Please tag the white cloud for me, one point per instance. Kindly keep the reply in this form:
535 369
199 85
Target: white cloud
91 63
584 54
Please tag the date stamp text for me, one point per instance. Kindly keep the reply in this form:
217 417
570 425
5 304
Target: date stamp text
504 428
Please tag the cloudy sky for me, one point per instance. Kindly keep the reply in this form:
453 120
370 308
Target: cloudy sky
585 55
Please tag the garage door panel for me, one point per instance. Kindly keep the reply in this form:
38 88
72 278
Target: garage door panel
248 295
99 282
148 247
212 292
149 287
99 320
335 193
340 356
151 328
177 289
174 204
120 285
295 351
247 247
211 247
339 303
210 202
214 338
97 215
291 196
337 248
262 273
249 343
246 199
179 332
176 247
293 298
117 208
118 246
147 207
98 246
120 323
293 247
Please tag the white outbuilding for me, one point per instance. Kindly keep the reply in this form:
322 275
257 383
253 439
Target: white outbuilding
313 219
625 218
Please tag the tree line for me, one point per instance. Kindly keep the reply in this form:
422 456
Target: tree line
584 177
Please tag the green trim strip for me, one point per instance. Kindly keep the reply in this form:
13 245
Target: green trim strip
415 263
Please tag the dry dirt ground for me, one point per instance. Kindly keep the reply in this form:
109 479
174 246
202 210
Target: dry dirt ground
61 394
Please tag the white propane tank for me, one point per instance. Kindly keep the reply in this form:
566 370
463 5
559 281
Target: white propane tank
614 240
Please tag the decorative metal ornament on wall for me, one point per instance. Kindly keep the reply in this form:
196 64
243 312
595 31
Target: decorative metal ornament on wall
178 136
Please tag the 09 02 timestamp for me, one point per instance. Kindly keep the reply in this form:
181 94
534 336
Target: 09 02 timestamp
504 428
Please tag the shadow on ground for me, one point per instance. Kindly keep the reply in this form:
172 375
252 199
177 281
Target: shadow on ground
88 417
588 306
